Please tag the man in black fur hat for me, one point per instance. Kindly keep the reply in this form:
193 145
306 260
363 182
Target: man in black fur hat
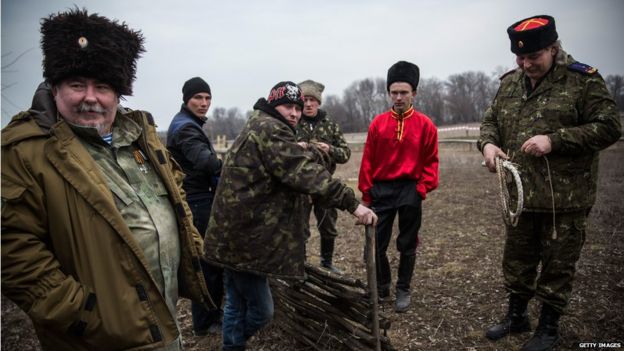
97 238
399 167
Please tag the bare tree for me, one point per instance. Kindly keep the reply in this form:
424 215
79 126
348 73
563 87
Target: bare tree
228 122
615 84
430 99
468 95
7 68
333 105
365 99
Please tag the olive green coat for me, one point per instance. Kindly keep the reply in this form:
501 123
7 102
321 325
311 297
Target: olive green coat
68 259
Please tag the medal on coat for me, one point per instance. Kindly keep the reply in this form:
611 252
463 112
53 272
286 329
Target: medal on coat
140 159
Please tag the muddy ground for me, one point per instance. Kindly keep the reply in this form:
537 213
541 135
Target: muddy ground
457 285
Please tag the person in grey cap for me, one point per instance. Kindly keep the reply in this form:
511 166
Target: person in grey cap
256 226
191 148
318 130
552 115
399 167
97 238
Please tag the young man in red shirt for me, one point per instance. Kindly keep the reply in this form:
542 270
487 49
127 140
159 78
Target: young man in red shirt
399 167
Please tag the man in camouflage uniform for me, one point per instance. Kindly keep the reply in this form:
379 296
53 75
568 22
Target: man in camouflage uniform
316 129
552 115
256 227
97 239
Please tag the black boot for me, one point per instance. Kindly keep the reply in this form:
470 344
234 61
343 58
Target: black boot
516 320
383 294
546 334
327 254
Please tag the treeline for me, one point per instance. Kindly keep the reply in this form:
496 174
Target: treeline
461 98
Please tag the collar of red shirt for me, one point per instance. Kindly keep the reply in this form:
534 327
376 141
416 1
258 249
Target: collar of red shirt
404 115
400 117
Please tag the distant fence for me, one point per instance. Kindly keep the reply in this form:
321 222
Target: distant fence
465 144
465 131
469 130
464 135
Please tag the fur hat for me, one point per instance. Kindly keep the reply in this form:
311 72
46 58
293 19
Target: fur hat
285 92
312 88
532 34
194 86
75 43
403 71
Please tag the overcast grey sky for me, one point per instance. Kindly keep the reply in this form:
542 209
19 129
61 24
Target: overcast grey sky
242 48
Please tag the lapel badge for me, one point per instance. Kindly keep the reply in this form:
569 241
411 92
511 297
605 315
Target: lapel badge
83 42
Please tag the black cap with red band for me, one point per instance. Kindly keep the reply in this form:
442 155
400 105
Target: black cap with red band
532 34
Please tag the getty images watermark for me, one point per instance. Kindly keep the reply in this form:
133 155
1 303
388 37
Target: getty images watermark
600 345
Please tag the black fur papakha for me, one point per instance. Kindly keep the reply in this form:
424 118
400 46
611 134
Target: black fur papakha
75 43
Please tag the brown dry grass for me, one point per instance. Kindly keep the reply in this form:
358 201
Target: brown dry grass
457 285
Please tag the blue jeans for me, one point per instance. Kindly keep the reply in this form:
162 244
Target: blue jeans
248 307
201 205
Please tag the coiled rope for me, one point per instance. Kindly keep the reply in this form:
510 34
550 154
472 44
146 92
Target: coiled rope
505 169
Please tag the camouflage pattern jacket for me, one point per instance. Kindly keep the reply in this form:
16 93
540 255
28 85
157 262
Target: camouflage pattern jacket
69 259
257 219
573 107
323 129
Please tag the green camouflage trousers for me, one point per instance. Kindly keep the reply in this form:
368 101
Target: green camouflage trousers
325 219
530 243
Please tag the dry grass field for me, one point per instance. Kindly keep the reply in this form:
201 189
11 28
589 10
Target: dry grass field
457 285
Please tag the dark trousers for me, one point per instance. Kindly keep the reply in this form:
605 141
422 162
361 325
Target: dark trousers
203 318
530 245
325 218
407 240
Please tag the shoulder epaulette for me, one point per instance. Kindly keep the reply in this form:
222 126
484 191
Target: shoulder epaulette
507 73
150 119
582 68
123 109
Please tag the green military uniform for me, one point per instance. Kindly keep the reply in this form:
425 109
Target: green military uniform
142 199
321 128
257 218
572 106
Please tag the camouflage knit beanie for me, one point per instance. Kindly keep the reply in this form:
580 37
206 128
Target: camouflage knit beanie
313 89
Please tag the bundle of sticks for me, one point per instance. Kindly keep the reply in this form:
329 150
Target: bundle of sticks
327 311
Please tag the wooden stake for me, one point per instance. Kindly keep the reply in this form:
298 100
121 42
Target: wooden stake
371 274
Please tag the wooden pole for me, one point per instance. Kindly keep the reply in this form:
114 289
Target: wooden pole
371 273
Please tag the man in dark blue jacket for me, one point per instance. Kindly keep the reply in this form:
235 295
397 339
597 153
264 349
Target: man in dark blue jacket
192 149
